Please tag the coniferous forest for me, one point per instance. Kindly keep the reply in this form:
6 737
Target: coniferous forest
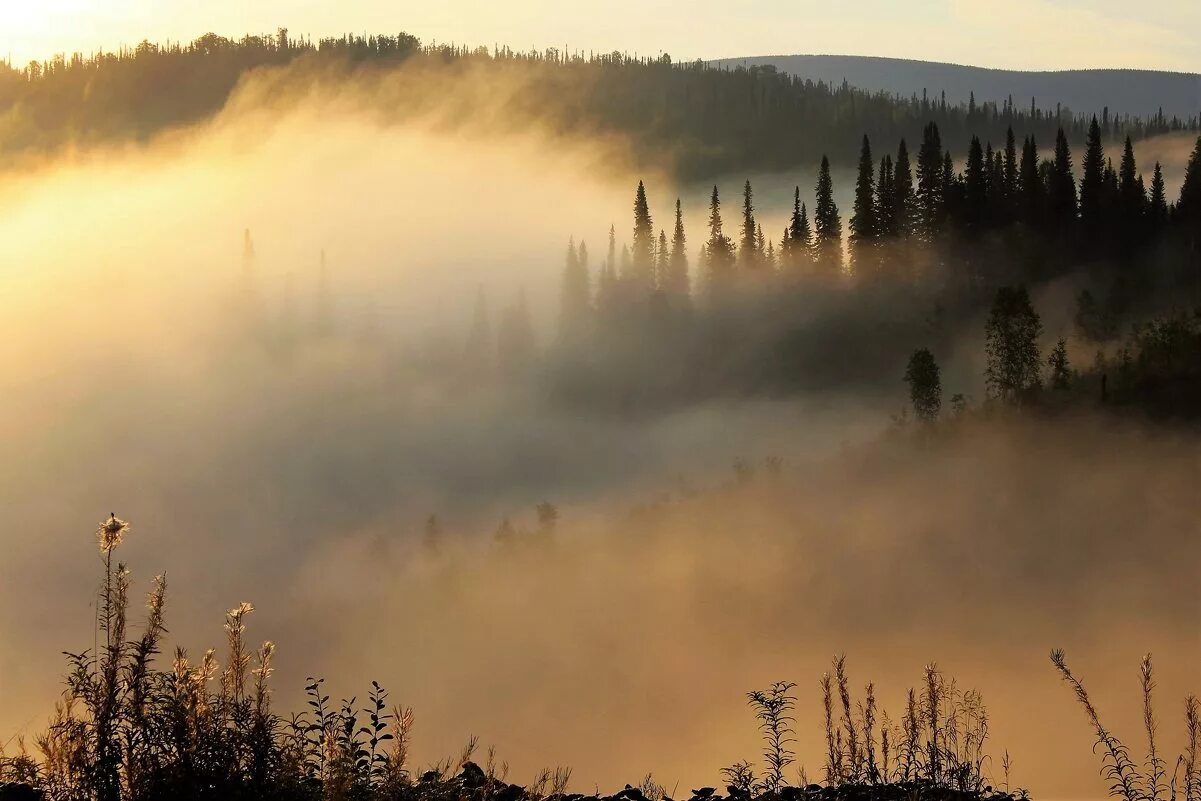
924 232
693 119
941 393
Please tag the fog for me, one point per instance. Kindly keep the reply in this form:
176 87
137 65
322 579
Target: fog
152 372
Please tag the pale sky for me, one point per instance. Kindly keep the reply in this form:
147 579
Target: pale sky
1053 34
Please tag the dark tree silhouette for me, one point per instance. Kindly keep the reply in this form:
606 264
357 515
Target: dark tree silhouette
863 216
902 190
719 252
1060 378
925 385
643 252
930 184
1092 181
677 284
748 242
1188 208
827 224
1061 186
797 247
1011 345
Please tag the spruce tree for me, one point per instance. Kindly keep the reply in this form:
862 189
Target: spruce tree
1092 182
998 199
642 256
902 193
952 192
886 224
795 244
827 224
930 184
863 218
662 262
1010 185
748 243
975 187
1111 198
1188 207
1061 186
799 251
1133 196
1157 210
1032 188
677 282
719 252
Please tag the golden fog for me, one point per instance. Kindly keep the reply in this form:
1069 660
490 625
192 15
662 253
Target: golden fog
149 371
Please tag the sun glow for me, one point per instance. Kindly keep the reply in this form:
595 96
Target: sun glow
38 28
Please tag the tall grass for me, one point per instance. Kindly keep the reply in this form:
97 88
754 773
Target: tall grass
939 745
1127 780
128 729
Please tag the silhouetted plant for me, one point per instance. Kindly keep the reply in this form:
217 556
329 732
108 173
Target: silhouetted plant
773 708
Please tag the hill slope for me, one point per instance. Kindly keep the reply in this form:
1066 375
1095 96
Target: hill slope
1136 92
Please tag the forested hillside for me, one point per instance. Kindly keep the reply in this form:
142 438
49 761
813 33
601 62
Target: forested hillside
690 119
1140 93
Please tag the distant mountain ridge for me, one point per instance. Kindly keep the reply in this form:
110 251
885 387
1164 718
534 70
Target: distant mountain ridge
1124 91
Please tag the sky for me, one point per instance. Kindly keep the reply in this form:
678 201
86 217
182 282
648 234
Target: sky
1056 34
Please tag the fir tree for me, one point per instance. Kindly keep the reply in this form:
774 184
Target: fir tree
863 217
797 248
1009 191
902 192
1132 194
1157 211
662 262
642 256
1061 185
1092 182
827 224
1032 189
748 243
930 184
1188 207
975 197
719 251
886 223
677 281
803 236
998 201
952 192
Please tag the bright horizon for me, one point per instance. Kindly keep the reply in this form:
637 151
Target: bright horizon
1058 34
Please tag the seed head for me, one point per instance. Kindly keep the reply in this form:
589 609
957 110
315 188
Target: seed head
111 532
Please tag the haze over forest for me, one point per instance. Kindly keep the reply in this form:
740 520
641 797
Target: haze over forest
1132 91
443 358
